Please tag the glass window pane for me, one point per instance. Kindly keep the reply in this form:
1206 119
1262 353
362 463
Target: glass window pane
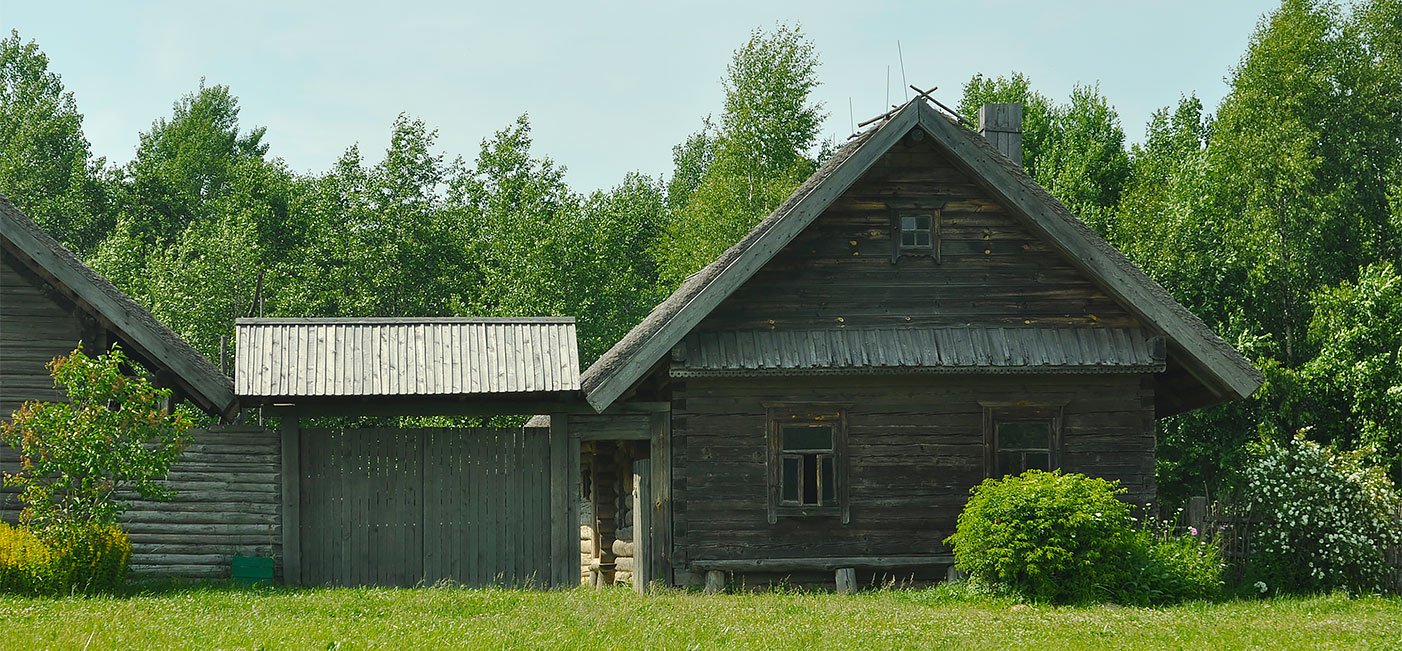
809 475
922 222
807 438
1009 463
908 238
829 481
907 222
789 481
1024 435
1036 460
922 238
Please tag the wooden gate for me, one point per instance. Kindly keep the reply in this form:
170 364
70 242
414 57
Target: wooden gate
410 506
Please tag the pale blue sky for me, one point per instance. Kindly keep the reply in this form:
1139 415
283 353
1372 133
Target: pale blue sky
610 86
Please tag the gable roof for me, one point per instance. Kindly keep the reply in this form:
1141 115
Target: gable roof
146 338
284 359
1205 356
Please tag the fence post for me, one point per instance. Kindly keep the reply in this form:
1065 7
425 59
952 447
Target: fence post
1197 514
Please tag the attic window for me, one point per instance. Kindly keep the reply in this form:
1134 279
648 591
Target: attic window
915 232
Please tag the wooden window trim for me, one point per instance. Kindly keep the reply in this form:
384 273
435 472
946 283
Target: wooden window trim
898 249
781 414
996 412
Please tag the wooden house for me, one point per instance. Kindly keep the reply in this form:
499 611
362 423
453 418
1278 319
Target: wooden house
919 315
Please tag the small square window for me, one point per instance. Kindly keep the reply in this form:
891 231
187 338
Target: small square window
915 233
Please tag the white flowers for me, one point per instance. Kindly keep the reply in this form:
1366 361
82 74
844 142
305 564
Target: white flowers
1261 587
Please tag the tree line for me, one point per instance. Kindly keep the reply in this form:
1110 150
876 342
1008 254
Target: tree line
1276 217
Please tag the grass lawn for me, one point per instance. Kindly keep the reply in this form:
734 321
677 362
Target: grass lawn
217 616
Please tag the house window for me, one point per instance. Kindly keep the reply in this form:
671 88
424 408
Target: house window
915 232
807 475
1019 437
1022 445
807 463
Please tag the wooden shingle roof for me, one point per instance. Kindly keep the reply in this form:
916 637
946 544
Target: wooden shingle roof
1216 366
144 337
423 357
918 350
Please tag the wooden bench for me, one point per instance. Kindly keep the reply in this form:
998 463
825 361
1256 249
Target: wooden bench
844 567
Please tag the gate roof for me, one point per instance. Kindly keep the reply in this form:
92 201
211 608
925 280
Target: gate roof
282 360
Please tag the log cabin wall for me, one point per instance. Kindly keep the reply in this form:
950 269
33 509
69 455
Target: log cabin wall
915 446
36 325
991 269
227 499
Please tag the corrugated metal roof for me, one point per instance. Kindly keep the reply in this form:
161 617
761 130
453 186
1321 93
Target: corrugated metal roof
969 349
405 357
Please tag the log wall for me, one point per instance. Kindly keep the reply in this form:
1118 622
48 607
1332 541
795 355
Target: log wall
36 325
227 496
915 448
992 270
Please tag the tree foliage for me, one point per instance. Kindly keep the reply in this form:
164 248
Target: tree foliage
725 183
46 167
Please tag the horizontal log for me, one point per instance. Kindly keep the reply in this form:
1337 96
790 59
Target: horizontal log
623 563
192 571
183 537
622 548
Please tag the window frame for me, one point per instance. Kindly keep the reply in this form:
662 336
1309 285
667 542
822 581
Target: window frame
997 413
781 415
898 249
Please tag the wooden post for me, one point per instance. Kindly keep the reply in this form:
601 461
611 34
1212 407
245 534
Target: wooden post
846 580
291 434
660 449
564 534
1197 513
643 553
715 581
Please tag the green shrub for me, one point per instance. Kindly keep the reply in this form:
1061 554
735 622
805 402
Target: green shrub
90 559
1320 520
113 434
1167 569
1046 535
24 562
82 560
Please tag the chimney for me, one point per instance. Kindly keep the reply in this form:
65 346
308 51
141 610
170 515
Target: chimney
1001 124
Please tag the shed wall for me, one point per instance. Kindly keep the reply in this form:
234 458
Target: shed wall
227 495
35 327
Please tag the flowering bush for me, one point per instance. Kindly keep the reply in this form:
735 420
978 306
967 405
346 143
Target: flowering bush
84 559
1319 519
